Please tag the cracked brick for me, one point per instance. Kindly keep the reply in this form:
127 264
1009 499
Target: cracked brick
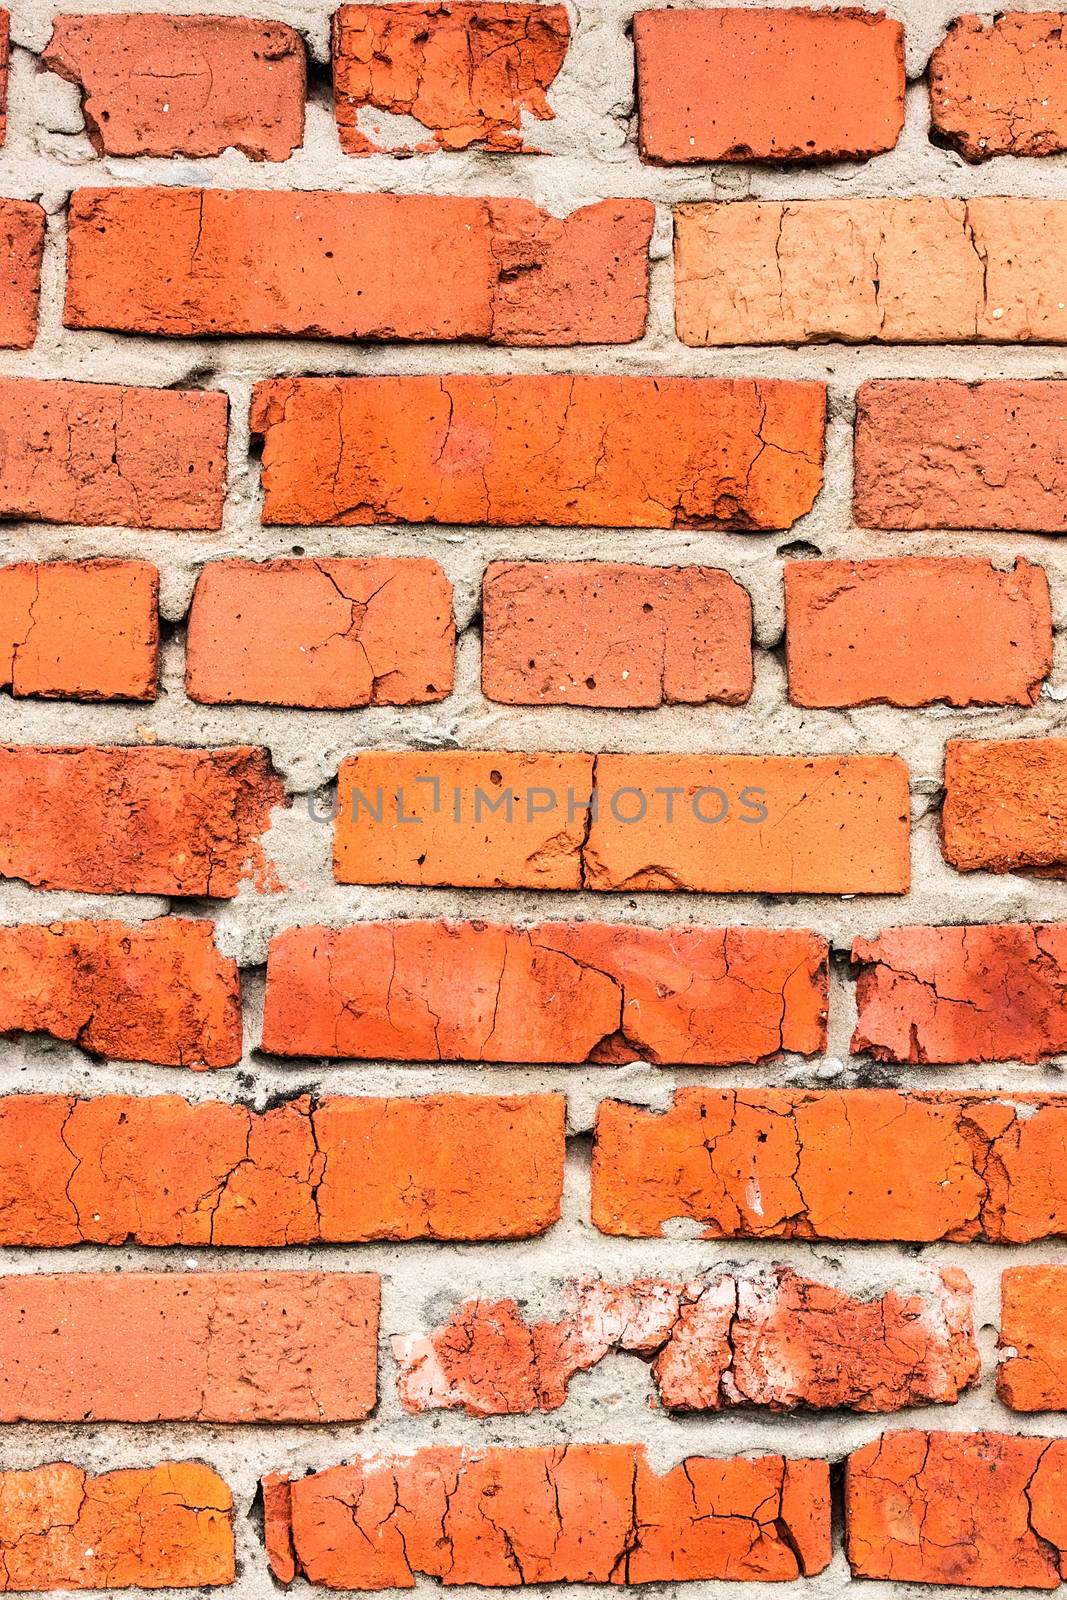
80 630
1000 88
1005 806
1032 1375
22 230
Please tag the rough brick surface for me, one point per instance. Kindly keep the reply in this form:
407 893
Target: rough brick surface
916 631
768 85
994 992
982 1509
1000 88
157 991
210 1347
467 72
184 86
251 261
159 1171
932 453
826 1164
668 452
773 1339
1005 806
321 633
100 453
913 271
21 247
1032 1375
563 992
601 633
161 1527
135 819
79 630
379 1522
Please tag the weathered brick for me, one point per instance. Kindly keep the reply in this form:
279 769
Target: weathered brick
467 72
1000 88
772 1339
770 824
826 1164
1005 806
556 992
993 992
194 1347
768 85
603 633
480 1517
161 1527
21 247
1032 1375
159 1171
155 991
670 452
184 86
100 453
921 271
135 819
324 265
321 633
916 631
983 1509
933 453
79 630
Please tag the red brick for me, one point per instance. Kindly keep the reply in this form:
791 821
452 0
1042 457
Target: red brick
986 993
934 453
999 88
132 819
324 265
768 85
1032 1375
161 1527
468 73
480 1517
79 630
670 452
157 991
158 1171
1005 806
195 1347
321 633
21 247
826 1164
184 86
983 1509
556 992
100 453
601 633
915 631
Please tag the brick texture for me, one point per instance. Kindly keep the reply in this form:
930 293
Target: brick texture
999 88
1032 1375
79 630
1005 806
22 226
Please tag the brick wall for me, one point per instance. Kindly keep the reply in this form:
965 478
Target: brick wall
533 936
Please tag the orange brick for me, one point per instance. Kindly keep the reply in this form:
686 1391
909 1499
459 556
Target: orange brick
21 247
768 85
156 991
933 453
1005 806
467 72
161 1527
377 1523
131 819
983 1509
1000 88
156 1170
556 992
195 1347
826 1164
915 631
184 86
99 453
324 265
671 452
918 271
986 993
601 633
79 630
1032 1375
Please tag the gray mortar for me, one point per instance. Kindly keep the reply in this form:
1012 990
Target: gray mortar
593 156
